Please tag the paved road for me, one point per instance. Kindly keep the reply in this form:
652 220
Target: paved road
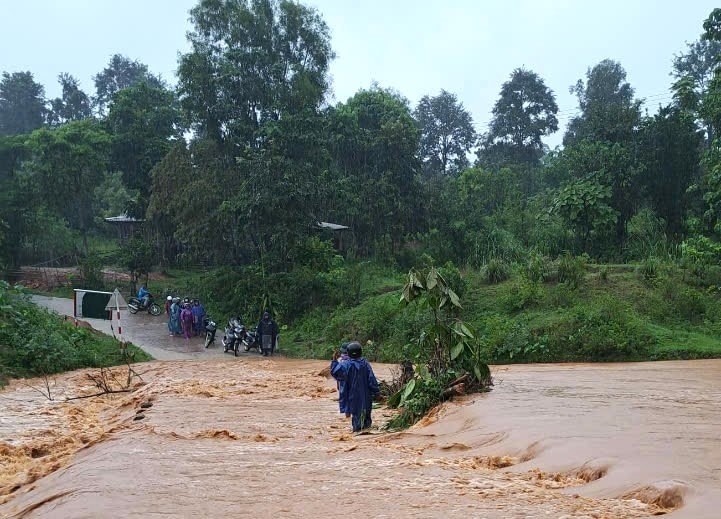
147 332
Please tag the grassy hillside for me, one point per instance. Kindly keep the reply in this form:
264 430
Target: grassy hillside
542 311
609 313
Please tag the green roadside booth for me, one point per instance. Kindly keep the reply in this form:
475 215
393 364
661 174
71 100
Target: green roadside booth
91 304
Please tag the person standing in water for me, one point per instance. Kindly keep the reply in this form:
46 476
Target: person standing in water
340 384
359 385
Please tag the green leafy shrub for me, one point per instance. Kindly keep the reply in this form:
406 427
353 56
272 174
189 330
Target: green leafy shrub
91 271
522 344
454 278
649 269
689 304
603 273
498 244
561 296
496 271
521 294
424 394
537 268
36 342
646 235
698 254
571 269
604 331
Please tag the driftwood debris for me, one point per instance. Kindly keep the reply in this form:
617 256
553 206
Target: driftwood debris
458 389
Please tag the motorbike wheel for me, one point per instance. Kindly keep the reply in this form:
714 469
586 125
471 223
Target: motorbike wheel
155 309
235 349
207 340
132 309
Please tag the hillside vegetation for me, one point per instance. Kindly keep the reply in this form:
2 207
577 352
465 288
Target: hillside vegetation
35 342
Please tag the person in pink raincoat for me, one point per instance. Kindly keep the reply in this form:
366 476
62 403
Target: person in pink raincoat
186 320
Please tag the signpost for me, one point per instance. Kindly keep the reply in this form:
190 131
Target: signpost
114 306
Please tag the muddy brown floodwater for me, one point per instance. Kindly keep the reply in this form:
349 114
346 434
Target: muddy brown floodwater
259 437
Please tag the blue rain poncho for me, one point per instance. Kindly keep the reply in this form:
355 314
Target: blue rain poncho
175 318
342 403
359 386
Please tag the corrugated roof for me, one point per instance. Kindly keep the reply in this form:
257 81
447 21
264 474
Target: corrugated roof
123 218
332 226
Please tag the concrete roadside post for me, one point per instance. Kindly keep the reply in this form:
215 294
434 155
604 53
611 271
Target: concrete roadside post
116 304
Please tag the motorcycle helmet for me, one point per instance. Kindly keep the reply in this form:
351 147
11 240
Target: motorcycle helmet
344 347
354 350
169 298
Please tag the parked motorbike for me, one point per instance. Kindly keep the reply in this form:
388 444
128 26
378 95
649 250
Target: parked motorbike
234 333
135 305
252 340
210 329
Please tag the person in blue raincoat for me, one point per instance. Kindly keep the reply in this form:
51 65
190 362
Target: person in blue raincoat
359 385
144 296
198 315
342 404
175 316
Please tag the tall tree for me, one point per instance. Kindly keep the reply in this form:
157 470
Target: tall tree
121 72
251 87
74 104
143 120
522 116
70 162
15 205
698 62
710 110
22 103
252 62
670 146
374 142
608 110
614 167
694 71
712 26
447 133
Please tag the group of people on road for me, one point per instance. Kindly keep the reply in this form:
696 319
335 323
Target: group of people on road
185 318
357 384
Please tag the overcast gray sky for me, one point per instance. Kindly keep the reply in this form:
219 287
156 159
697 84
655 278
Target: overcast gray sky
416 47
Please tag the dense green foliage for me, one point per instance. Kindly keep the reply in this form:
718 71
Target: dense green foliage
234 169
548 311
35 342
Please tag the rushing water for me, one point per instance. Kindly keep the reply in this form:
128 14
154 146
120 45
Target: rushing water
257 437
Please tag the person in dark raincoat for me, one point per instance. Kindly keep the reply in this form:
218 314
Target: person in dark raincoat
198 315
342 404
268 333
359 385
